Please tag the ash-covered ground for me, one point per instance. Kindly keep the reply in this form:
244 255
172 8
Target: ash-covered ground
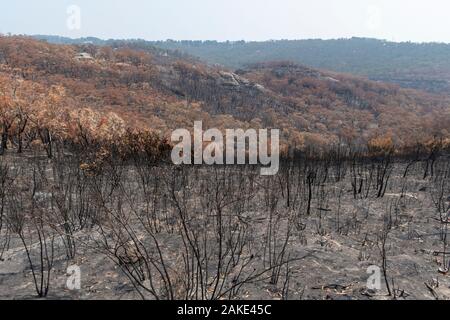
311 232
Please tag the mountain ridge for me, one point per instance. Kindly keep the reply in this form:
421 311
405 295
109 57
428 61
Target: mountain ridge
161 91
423 66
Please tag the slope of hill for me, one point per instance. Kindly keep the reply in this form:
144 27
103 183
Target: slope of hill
160 91
411 65
421 66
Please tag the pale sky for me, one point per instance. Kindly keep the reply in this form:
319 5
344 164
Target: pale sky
398 20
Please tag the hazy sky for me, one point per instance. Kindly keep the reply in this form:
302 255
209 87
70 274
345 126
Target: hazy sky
399 20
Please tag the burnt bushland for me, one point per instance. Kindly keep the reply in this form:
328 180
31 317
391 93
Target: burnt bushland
221 232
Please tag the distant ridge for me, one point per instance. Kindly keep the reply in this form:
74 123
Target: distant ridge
424 66
160 90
